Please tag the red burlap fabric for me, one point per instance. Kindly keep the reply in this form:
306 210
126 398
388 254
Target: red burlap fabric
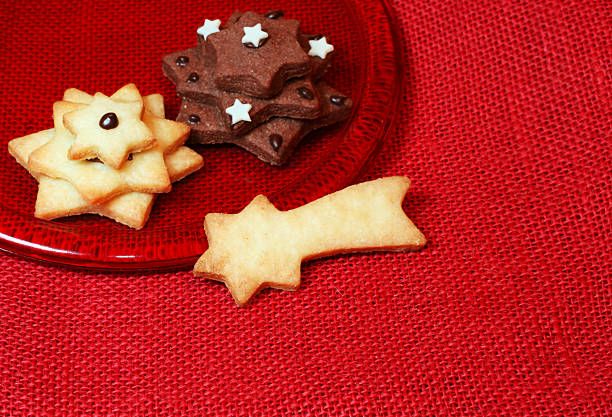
505 131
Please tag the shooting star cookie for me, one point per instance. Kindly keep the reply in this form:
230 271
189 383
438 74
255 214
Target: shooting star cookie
264 247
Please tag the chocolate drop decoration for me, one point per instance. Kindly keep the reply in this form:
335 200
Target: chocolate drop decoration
337 100
305 93
193 119
109 121
276 141
274 14
182 60
193 77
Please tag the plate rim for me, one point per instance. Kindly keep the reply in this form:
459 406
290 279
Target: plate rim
15 244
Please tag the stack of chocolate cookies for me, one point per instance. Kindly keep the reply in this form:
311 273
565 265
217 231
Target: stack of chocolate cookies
256 82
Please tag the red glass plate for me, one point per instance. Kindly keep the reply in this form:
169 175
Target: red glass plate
100 47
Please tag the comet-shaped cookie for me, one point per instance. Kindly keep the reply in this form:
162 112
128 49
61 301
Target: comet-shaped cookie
264 247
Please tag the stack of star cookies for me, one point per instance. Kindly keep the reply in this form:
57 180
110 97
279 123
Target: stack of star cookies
106 155
256 82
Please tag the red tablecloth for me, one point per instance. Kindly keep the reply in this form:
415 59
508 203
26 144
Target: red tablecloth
505 132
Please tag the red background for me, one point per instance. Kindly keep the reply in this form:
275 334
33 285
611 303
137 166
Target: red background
504 129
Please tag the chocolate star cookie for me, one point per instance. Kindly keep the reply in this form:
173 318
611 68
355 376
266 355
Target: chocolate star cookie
255 55
272 142
194 79
318 65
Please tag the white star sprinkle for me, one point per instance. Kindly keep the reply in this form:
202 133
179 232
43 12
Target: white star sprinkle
239 112
210 27
320 48
254 35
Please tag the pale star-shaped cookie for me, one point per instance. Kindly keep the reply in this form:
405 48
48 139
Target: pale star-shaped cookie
97 182
239 112
254 35
58 198
109 128
264 247
320 47
209 27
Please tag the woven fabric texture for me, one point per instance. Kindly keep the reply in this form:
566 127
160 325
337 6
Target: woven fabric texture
505 130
